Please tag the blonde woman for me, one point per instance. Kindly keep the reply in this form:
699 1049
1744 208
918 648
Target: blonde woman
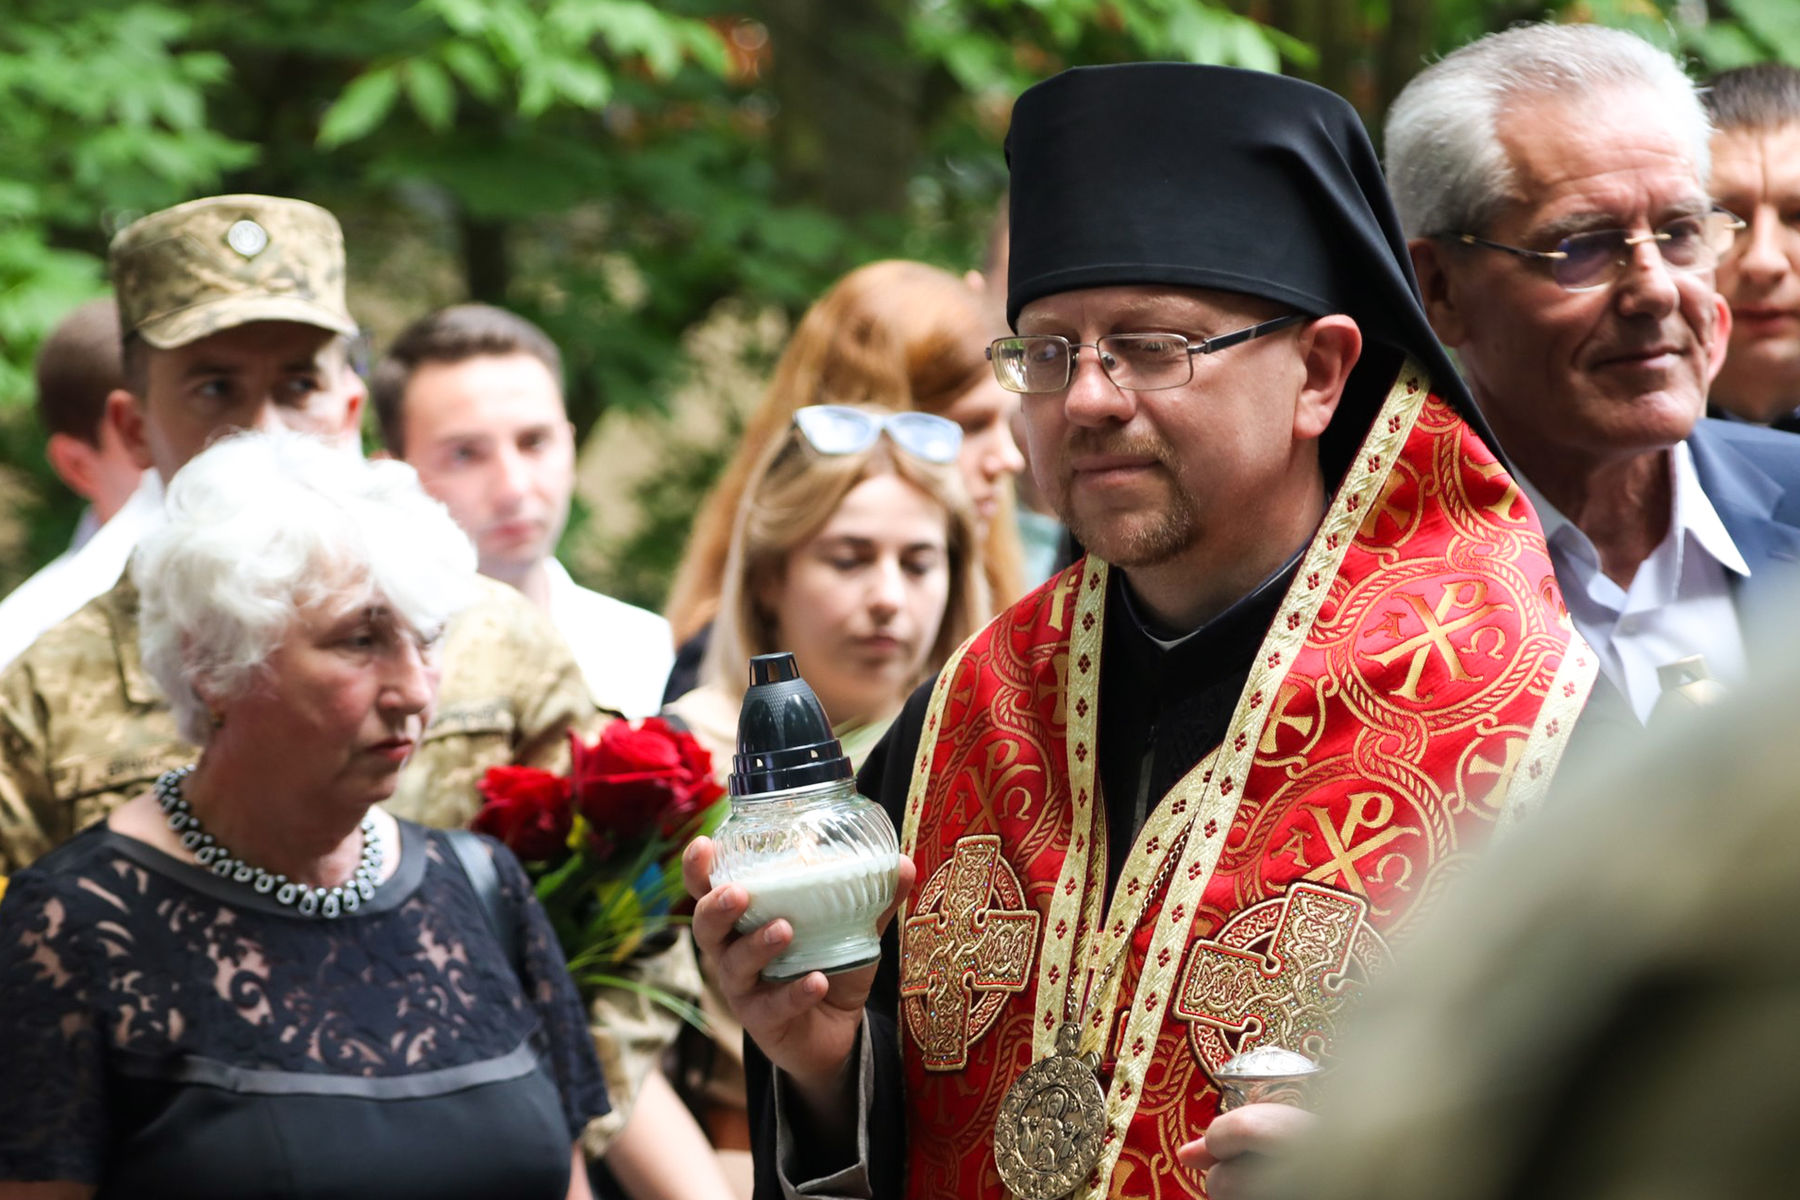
854 549
900 335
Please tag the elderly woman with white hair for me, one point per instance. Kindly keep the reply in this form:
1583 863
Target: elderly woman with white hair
252 980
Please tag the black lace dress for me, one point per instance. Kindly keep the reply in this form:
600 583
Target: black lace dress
166 1033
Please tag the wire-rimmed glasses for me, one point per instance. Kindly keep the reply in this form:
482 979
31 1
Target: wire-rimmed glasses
1136 362
1597 258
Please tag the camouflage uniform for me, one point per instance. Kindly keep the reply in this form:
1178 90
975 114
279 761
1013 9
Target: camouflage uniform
83 728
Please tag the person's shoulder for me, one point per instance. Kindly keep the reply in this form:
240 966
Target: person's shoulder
1765 445
69 873
83 645
1733 458
501 634
497 608
627 620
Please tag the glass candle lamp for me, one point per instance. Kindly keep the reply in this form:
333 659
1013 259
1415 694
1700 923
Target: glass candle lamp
800 840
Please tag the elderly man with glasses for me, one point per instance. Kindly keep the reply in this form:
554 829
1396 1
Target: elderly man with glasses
1169 808
1553 180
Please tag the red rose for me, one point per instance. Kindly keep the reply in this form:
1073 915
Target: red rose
638 779
528 809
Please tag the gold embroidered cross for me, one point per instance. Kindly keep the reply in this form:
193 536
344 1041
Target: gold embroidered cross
1281 989
959 962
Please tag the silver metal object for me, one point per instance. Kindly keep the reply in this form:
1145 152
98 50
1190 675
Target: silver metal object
1266 1075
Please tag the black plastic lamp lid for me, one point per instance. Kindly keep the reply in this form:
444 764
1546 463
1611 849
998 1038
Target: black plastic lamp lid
784 740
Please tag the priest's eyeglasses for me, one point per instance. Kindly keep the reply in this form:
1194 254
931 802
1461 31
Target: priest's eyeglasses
1136 362
1583 262
840 429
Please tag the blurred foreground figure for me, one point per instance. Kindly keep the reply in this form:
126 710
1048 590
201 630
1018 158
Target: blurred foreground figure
1610 1006
1756 175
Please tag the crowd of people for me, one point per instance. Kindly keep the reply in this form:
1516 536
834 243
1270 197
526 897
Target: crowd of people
1211 766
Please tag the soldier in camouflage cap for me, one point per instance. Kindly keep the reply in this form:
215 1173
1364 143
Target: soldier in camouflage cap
233 313
214 264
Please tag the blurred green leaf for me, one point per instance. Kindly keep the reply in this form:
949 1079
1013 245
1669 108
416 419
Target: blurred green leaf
432 95
1775 23
363 106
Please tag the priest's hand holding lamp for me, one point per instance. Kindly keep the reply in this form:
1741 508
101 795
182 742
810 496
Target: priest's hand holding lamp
796 818
807 1027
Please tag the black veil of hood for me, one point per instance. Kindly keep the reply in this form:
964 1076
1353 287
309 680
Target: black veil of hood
1214 177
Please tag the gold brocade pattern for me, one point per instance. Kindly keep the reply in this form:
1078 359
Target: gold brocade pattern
1279 974
1222 786
972 943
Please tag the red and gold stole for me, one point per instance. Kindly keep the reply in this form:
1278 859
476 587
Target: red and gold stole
1415 690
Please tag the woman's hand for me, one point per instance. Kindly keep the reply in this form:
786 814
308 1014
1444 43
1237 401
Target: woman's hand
1232 1152
807 1027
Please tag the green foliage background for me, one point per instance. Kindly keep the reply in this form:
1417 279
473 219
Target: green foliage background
628 174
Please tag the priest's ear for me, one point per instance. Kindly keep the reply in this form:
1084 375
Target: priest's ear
1329 347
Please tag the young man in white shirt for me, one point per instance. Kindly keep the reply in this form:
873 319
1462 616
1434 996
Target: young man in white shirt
471 396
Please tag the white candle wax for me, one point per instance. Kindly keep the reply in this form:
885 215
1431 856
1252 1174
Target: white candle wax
832 907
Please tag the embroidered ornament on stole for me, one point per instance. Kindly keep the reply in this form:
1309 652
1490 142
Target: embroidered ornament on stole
1281 973
970 943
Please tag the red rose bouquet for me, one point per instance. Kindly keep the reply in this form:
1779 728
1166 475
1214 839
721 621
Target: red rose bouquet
603 845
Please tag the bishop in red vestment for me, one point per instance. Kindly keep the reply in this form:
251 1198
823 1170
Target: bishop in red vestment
1182 800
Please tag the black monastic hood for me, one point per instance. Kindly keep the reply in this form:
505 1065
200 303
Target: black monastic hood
1213 177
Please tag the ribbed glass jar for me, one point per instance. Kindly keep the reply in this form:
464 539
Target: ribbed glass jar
822 857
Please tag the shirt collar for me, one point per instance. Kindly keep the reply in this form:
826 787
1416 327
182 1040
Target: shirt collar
1693 517
1695 514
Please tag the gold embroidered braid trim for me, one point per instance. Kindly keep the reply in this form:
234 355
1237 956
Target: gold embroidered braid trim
1158 846
921 776
1550 735
1081 886
1222 790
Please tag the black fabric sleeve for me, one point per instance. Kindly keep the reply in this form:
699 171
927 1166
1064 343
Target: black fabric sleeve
53 1119
545 977
885 778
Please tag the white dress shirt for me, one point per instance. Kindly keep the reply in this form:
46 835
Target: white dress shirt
76 576
625 652
1679 603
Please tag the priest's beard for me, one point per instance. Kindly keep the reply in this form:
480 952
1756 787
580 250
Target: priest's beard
1162 528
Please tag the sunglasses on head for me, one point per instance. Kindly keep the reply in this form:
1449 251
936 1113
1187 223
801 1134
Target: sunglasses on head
840 429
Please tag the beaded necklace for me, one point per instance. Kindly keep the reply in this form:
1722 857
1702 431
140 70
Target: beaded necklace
308 901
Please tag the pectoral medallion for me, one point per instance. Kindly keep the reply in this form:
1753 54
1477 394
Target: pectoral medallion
1047 1136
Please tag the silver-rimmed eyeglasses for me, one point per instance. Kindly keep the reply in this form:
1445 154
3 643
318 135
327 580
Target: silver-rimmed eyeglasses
1136 362
1597 258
